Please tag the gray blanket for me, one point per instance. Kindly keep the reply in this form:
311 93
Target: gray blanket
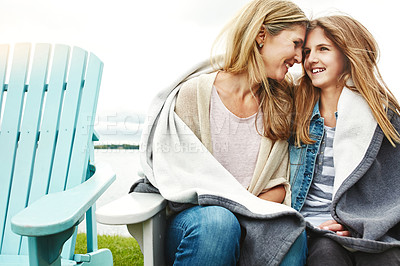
367 175
368 201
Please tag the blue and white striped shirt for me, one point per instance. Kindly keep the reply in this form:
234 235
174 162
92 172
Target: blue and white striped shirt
316 208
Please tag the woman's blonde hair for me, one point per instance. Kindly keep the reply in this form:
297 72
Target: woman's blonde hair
362 53
242 56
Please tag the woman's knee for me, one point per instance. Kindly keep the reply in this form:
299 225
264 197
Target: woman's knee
210 232
217 223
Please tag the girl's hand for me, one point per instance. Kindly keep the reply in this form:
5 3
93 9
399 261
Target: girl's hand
334 226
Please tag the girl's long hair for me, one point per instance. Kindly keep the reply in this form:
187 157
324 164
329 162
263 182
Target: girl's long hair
242 56
362 53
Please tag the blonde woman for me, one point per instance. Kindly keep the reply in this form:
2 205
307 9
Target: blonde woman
345 157
224 170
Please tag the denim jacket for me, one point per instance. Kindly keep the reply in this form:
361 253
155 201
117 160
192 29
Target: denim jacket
302 160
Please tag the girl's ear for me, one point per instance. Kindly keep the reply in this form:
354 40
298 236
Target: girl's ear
261 36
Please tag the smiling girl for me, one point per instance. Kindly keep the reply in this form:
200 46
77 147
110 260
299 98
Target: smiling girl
344 159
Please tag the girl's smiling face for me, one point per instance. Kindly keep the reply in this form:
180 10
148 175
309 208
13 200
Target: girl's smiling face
323 61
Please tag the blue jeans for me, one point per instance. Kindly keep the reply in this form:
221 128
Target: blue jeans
211 236
203 236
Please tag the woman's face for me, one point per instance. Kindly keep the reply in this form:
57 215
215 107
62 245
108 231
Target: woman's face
282 51
324 62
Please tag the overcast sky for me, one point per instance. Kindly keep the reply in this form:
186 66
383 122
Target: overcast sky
147 44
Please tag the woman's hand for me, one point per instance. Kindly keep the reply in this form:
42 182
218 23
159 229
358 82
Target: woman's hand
334 226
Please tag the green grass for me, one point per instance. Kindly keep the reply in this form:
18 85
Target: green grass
125 250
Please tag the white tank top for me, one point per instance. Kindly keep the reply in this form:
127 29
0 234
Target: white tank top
235 140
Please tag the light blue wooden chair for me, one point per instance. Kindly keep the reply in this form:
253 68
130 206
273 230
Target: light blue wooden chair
48 179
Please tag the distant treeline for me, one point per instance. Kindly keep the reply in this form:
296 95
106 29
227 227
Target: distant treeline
117 146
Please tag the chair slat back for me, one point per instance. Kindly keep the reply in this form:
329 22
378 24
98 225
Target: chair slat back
84 127
50 121
28 135
46 129
13 109
68 120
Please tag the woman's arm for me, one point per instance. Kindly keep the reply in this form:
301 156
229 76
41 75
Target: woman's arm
275 194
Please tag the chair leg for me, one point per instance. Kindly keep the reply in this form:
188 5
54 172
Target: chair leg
151 236
91 229
46 250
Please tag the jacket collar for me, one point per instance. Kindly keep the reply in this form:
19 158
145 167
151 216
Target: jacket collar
316 114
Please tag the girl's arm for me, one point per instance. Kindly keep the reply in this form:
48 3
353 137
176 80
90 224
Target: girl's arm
275 194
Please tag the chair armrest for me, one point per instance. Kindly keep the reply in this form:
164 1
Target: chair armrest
131 208
56 212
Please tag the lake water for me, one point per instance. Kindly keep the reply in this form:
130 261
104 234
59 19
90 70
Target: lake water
125 164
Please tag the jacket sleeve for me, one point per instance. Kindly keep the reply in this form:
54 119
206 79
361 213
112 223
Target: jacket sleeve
281 177
272 168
